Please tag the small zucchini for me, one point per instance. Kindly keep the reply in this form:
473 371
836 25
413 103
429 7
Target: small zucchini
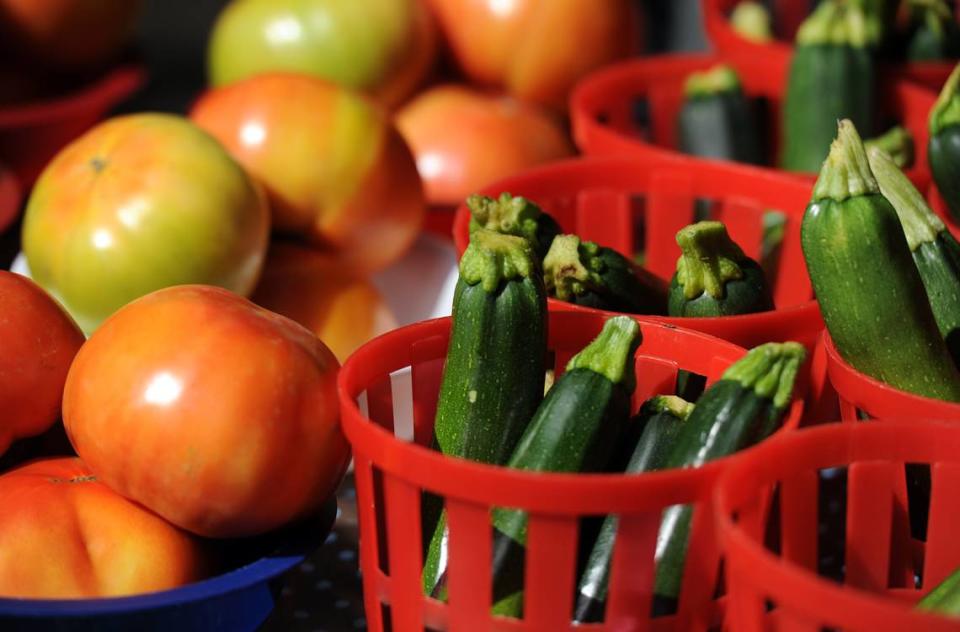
896 142
944 598
741 408
493 377
943 149
831 77
935 251
514 215
870 293
933 32
716 120
714 277
586 274
661 418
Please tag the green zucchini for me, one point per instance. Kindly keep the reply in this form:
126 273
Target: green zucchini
870 293
493 377
935 251
661 418
897 142
943 148
831 77
945 596
514 215
744 406
716 120
586 274
714 277
934 34
752 21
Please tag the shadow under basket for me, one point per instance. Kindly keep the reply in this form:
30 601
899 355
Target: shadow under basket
776 572
388 392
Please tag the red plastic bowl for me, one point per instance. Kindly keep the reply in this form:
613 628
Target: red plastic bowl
9 199
772 560
388 393
32 133
788 14
603 106
604 199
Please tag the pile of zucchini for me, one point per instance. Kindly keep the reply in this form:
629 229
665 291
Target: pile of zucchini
495 406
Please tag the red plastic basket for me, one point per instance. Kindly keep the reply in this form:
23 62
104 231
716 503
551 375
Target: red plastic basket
606 200
388 390
603 106
772 558
861 394
32 133
9 199
788 14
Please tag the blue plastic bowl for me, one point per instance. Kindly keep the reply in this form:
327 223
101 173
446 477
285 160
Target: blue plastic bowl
240 599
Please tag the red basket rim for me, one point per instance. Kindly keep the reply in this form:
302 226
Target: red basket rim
9 198
822 446
845 378
107 89
534 491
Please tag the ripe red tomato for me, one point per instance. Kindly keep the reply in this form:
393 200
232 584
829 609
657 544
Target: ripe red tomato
68 34
537 49
334 167
65 535
216 414
39 340
464 139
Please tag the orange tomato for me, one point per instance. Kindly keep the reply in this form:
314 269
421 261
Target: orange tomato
341 307
464 139
39 340
537 49
216 414
333 165
65 535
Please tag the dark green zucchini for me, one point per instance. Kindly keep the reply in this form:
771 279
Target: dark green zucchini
586 274
870 293
714 277
933 31
935 251
661 418
741 408
575 429
493 376
716 120
943 148
896 142
945 596
514 215
831 77
752 21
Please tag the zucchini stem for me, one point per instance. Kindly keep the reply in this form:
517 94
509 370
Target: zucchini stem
676 406
507 214
719 79
920 224
946 111
708 260
770 370
945 596
752 21
839 23
611 353
846 171
897 142
492 259
571 267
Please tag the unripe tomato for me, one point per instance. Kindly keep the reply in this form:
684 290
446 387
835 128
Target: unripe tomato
218 415
66 535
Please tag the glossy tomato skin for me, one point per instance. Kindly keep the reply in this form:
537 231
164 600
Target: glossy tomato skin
464 139
537 49
216 414
65 535
138 203
39 340
343 308
68 34
382 47
334 167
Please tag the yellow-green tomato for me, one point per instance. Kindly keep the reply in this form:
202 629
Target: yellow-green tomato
381 47
139 203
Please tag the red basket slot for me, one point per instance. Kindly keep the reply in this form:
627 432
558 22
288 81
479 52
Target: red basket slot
788 14
601 105
780 587
639 203
391 474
